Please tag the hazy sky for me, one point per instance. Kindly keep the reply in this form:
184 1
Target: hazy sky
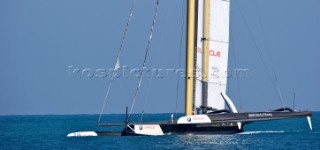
42 43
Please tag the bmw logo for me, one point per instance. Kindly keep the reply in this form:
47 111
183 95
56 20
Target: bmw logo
189 119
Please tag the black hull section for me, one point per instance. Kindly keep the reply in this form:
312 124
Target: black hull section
193 129
220 124
201 129
256 116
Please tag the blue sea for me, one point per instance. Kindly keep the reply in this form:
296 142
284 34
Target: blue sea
50 132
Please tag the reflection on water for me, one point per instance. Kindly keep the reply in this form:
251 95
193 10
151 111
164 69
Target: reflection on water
210 141
260 132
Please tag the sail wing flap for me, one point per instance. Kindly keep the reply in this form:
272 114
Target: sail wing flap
218 53
199 46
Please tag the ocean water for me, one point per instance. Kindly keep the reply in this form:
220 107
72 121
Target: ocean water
49 132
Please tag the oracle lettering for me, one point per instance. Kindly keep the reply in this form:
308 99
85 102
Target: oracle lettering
199 50
198 118
149 127
213 53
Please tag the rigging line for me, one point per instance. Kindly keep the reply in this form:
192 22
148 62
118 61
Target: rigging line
116 66
145 59
268 51
265 40
235 64
259 52
237 75
146 99
183 14
141 118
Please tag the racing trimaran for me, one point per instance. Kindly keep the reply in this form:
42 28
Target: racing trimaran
205 93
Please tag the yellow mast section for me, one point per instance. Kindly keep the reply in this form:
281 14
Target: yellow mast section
205 59
190 57
206 30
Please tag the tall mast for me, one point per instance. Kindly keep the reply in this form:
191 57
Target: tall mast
190 57
206 30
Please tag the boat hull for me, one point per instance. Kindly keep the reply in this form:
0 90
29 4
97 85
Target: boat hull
229 123
184 129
